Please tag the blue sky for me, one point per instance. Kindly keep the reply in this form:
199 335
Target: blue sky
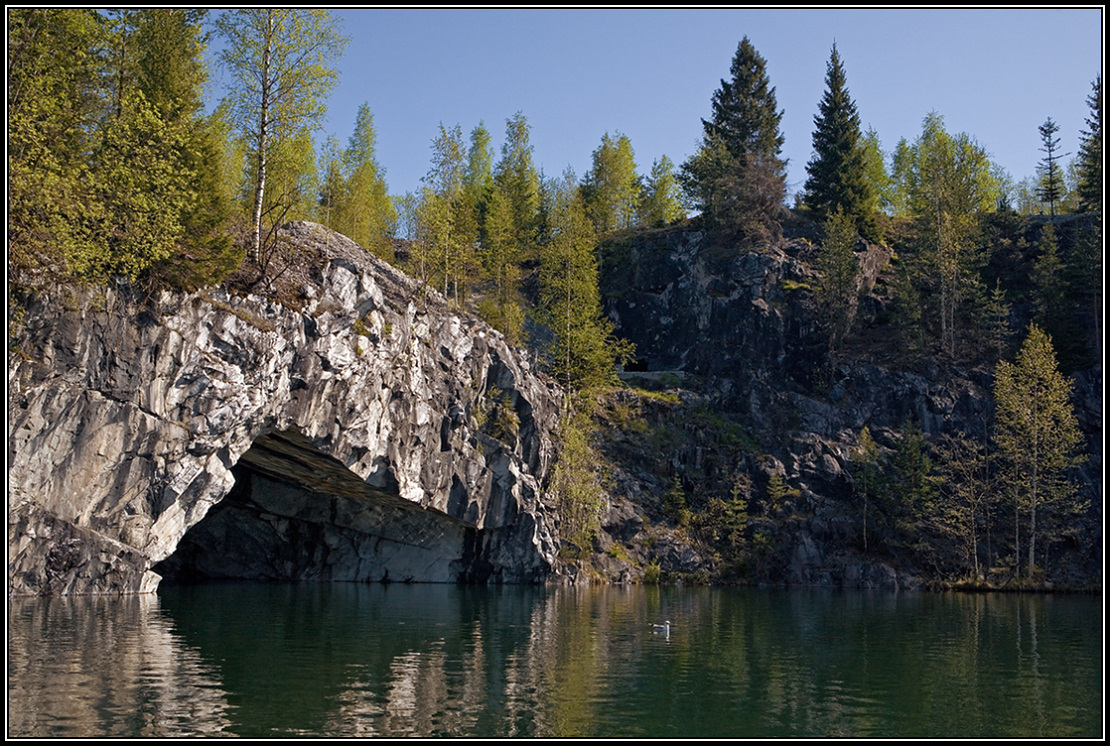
576 74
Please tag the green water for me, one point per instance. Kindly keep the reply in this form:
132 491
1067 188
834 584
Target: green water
372 660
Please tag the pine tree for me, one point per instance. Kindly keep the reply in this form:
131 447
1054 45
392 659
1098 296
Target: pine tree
1037 434
1090 153
837 173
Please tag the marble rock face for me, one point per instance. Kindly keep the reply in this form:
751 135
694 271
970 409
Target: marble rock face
366 431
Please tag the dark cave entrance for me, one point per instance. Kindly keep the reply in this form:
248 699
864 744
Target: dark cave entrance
297 514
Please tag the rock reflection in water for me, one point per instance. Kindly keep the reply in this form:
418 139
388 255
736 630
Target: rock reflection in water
94 666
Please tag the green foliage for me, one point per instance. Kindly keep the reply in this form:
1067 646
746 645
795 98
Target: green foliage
745 115
836 260
968 494
355 188
838 179
1037 435
447 226
279 62
502 306
674 503
578 484
1090 153
584 350
611 189
660 199
111 168
946 182
1051 187
737 178
516 177
1048 283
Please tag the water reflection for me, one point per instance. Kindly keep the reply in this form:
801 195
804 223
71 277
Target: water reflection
372 660
91 666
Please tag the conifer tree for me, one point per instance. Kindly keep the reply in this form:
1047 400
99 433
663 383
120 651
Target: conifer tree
737 178
584 350
1090 153
1051 187
837 173
1037 435
516 177
366 215
746 118
478 179
836 259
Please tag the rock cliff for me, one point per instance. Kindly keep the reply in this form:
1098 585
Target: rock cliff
734 386
361 429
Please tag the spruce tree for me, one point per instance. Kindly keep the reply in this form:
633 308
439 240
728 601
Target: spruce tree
737 178
746 118
1051 187
366 215
838 171
1090 154
839 290
516 176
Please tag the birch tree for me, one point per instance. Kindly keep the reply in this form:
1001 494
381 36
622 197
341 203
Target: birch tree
280 63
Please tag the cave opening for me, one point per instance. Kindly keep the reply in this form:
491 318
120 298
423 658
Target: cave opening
298 514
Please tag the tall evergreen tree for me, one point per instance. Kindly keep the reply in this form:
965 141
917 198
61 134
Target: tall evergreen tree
366 215
1090 153
838 171
517 178
478 179
1051 188
838 291
746 117
737 178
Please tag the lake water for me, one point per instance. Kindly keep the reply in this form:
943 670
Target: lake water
438 660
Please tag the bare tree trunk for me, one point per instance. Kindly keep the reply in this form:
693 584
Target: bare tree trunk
263 126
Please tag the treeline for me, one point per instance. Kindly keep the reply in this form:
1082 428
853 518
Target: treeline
115 170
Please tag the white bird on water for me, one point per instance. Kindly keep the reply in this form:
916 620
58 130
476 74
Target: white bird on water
663 629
